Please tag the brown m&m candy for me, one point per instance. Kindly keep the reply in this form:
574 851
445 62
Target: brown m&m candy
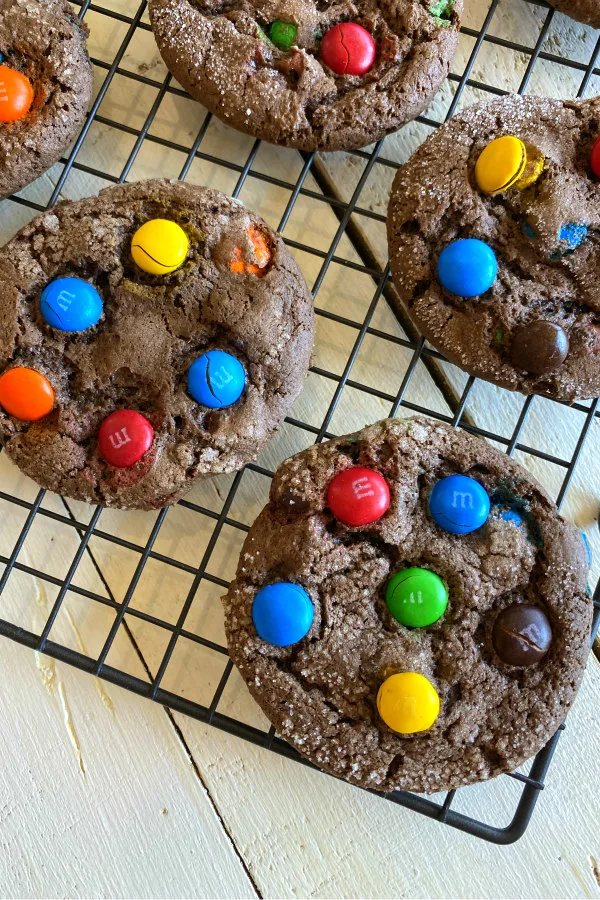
522 635
539 347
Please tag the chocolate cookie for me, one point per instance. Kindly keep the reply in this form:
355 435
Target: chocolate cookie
587 11
46 85
149 336
409 609
493 234
305 74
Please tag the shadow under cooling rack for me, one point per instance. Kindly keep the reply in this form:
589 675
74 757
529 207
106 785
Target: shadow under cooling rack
350 248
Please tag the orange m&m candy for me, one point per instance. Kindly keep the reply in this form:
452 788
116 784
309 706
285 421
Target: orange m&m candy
26 394
16 95
261 251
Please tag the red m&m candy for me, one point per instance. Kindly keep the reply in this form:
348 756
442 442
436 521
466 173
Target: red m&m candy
16 95
595 158
358 496
348 49
124 438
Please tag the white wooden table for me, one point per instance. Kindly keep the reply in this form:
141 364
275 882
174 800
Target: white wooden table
103 794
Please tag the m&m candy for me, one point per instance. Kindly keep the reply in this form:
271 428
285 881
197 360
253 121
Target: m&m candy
348 49
441 10
282 613
283 34
467 268
500 164
459 504
408 703
588 549
160 246
216 379
522 635
508 162
261 251
511 515
528 230
416 597
574 235
26 394
595 158
124 438
358 496
71 304
16 95
570 237
539 347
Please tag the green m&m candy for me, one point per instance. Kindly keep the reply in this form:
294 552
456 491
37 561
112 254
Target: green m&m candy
283 34
416 597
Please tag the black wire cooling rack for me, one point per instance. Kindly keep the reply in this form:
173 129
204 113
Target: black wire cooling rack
313 180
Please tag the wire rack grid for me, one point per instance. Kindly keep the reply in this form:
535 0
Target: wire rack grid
119 594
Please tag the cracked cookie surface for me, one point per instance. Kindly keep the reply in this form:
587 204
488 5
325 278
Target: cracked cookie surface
219 51
152 328
43 40
545 238
586 11
321 693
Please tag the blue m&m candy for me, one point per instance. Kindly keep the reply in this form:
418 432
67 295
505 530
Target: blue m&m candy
467 268
282 613
588 549
216 379
511 515
71 304
459 504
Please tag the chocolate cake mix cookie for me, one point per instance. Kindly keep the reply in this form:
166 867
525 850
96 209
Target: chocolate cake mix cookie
45 87
149 336
409 609
587 11
493 230
331 75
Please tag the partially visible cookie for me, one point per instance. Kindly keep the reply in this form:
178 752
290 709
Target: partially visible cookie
315 76
46 85
586 11
409 609
149 336
493 231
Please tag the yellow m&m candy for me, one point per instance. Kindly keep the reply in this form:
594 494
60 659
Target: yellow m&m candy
408 703
508 162
159 247
500 164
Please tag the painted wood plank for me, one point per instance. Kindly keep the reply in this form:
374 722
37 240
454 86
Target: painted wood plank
321 838
299 833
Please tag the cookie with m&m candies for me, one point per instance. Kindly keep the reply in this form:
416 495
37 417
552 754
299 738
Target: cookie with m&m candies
46 83
392 597
136 356
313 76
492 229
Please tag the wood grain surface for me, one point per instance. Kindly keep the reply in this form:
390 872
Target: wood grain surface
103 794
